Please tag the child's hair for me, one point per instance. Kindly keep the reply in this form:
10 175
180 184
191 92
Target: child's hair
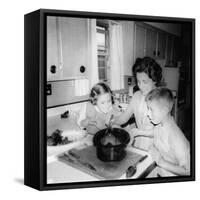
150 67
161 94
98 89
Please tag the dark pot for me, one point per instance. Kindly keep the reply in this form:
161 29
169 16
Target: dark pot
111 147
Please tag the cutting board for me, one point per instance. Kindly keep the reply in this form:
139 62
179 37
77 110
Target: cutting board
86 160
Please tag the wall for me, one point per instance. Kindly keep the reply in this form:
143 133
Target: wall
128 48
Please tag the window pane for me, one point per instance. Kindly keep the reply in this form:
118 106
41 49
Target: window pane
103 51
102 67
101 39
102 74
101 61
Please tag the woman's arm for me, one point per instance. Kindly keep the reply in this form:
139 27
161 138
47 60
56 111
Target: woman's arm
124 116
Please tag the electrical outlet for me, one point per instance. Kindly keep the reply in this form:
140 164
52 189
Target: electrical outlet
48 89
129 81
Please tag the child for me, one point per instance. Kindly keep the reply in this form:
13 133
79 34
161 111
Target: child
148 75
99 109
170 148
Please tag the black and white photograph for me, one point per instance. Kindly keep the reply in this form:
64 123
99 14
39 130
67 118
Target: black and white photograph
99 99
119 99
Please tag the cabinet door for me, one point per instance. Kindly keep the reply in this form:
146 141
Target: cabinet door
151 39
74 44
170 50
53 58
140 33
176 50
161 45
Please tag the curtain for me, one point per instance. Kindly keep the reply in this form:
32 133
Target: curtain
92 52
116 57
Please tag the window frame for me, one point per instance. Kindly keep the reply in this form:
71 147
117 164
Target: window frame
104 53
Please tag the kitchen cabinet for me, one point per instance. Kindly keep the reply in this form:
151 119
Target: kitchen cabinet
176 50
155 44
161 47
150 41
173 50
53 54
139 42
169 53
74 46
67 47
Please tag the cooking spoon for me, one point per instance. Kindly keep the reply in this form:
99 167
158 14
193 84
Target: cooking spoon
109 126
133 168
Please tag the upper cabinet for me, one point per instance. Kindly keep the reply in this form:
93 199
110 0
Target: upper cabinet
67 48
140 34
53 49
173 49
74 39
161 46
151 43
155 43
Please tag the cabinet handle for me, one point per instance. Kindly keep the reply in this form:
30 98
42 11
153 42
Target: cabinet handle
154 53
53 69
158 53
82 69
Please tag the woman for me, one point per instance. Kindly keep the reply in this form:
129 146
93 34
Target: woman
148 75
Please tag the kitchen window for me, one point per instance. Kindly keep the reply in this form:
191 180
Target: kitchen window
103 50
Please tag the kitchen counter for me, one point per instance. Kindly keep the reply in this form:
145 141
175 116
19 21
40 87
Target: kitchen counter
60 172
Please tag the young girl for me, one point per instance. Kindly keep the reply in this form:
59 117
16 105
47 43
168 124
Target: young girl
148 75
99 109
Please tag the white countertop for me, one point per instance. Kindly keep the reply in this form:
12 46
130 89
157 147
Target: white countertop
59 172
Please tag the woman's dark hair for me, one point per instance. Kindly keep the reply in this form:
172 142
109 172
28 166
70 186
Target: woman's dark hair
98 89
150 67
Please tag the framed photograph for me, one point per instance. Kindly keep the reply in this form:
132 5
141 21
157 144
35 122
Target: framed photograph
109 99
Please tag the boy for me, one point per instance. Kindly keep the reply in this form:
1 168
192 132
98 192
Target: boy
170 148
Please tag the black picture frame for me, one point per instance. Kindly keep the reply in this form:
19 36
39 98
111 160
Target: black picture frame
35 53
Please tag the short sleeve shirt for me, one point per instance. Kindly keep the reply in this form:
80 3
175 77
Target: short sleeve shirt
172 144
100 119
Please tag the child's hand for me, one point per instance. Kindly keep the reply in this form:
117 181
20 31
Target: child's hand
109 119
92 127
